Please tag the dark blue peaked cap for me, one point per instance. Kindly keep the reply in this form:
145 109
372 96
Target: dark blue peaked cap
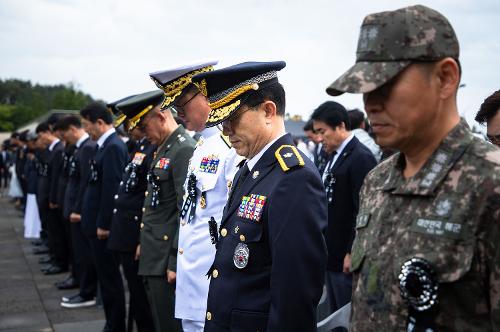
136 107
228 88
116 112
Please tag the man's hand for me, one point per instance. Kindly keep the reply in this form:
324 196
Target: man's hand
137 252
102 234
53 206
75 217
171 276
347 263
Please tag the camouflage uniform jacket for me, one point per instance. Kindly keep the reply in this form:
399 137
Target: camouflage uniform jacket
448 214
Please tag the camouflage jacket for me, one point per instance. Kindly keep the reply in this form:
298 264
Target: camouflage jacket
448 214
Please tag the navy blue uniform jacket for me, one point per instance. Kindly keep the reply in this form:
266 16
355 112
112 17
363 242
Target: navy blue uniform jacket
127 213
98 202
279 288
348 172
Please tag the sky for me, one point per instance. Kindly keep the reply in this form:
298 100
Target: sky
107 48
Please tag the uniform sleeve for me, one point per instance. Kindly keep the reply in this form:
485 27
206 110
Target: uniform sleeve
297 222
113 162
179 171
492 258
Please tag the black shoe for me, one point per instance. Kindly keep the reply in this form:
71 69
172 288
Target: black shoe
40 250
78 302
37 243
69 283
45 260
54 269
68 298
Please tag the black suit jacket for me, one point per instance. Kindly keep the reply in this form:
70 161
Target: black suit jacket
78 177
348 174
56 158
127 214
98 203
279 288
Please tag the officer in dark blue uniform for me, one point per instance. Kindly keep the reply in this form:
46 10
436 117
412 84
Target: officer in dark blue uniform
269 268
127 213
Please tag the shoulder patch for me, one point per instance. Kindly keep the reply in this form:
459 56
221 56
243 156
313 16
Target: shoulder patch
225 139
289 157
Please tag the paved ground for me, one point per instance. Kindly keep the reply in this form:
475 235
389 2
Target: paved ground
28 299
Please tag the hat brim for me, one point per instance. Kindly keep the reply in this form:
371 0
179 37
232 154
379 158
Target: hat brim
365 77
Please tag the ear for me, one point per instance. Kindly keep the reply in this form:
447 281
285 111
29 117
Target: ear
270 110
449 77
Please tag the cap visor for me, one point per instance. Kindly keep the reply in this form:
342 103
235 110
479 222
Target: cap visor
365 77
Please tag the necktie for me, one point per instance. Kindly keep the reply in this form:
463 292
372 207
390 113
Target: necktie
243 175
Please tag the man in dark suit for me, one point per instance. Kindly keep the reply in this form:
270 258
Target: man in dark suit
269 268
344 173
47 199
127 216
78 172
98 203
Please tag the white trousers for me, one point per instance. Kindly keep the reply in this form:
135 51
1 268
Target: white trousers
192 325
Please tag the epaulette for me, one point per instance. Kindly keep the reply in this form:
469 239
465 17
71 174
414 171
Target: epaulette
226 140
289 157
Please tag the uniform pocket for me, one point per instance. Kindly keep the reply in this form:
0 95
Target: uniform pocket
164 232
447 245
358 251
248 321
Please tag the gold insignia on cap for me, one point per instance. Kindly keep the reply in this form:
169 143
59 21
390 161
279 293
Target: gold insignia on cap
135 120
119 120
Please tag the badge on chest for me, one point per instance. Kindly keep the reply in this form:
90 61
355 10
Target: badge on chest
138 158
163 163
251 207
209 164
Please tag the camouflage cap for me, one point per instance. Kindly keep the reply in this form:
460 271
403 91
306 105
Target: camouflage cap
390 41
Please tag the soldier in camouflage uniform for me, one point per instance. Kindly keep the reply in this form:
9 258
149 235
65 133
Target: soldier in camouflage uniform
435 205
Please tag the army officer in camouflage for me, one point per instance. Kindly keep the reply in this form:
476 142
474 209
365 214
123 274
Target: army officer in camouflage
426 255
160 220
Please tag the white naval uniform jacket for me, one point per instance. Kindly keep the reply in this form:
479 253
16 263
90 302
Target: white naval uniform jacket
195 250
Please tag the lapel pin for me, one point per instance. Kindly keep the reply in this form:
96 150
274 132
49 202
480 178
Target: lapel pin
255 174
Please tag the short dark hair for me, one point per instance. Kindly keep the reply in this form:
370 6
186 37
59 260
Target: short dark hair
274 92
53 118
489 108
308 126
331 113
356 118
96 111
42 127
69 120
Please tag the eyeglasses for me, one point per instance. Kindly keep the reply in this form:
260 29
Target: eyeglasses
180 108
493 139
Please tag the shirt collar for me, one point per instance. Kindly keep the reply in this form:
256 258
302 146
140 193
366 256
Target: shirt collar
253 161
81 140
208 132
104 136
51 146
344 144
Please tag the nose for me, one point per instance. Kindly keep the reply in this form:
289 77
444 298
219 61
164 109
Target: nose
373 102
226 128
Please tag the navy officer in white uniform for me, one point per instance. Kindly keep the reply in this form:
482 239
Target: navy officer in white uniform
210 174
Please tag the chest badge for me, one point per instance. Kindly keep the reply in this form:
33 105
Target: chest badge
255 175
241 256
163 163
209 164
138 158
251 207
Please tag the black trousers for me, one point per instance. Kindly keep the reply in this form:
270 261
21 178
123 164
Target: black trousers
111 285
43 208
58 242
139 305
83 262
